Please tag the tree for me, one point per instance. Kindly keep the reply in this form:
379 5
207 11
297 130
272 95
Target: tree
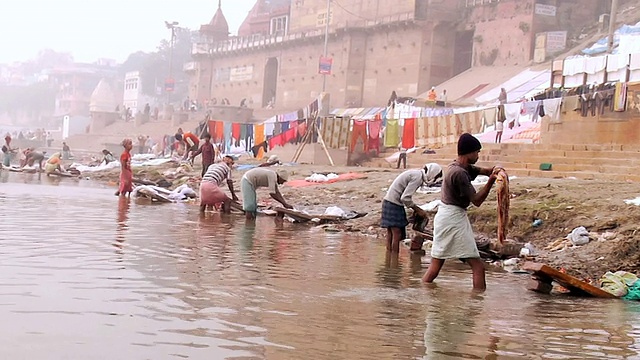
154 66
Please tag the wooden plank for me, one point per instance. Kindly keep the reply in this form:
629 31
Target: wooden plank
574 285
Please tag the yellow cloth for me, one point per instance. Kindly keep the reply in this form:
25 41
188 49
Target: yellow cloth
258 133
617 283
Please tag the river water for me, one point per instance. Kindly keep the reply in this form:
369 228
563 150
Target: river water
85 275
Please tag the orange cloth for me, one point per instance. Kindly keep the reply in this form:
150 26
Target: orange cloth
191 140
54 160
359 132
258 133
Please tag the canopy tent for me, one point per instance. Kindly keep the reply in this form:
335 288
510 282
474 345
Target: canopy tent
518 87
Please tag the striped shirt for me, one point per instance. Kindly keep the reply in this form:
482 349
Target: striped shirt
217 173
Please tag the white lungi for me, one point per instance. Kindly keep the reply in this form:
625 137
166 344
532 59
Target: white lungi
452 234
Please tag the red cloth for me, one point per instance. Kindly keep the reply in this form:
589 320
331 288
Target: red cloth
277 140
211 194
290 135
302 129
359 132
236 129
374 135
409 133
126 174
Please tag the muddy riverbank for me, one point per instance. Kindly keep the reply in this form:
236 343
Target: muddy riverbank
561 205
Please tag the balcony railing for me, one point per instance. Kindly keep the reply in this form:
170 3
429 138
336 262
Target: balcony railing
254 41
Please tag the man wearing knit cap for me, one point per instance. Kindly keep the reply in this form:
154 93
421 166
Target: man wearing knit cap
399 195
453 236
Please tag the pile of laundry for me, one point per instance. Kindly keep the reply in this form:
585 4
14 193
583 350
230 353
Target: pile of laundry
320 178
181 193
138 160
621 284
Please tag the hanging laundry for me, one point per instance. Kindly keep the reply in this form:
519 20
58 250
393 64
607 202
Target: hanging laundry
277 129
227 136
277 140
259 150
285 126
243 131
502 115
236 130
391 134
512 111
490 116
552 109
409 133
359 132
302 129
374 135
248 138
219 132
290 135
529 108
620 97
212 129
258 135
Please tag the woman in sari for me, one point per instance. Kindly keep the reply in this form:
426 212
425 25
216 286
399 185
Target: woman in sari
54 164
126 174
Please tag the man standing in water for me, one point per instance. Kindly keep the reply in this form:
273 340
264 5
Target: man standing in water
453 236
399 195
262 177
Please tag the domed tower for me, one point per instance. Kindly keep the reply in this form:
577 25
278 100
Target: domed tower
218 28
102 107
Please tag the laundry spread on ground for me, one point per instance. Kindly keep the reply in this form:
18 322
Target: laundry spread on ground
341 177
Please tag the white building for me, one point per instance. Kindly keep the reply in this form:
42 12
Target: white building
132 95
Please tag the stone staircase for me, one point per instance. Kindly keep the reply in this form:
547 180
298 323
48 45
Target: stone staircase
587 162
115 133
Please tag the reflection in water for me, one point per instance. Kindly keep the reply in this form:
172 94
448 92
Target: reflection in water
124 204
181 285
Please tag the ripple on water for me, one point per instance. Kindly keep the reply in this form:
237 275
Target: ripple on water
84 273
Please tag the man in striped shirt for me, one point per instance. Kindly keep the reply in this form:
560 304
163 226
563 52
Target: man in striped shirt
210 192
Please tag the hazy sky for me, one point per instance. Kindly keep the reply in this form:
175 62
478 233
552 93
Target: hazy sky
92 29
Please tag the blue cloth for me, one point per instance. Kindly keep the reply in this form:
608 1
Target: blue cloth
227 136
393 215
249 197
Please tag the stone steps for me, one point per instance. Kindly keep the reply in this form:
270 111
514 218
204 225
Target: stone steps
601 162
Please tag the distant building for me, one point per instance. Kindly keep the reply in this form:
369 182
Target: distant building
374 47
75 85
133 97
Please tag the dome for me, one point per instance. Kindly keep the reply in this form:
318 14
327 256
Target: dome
103 98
